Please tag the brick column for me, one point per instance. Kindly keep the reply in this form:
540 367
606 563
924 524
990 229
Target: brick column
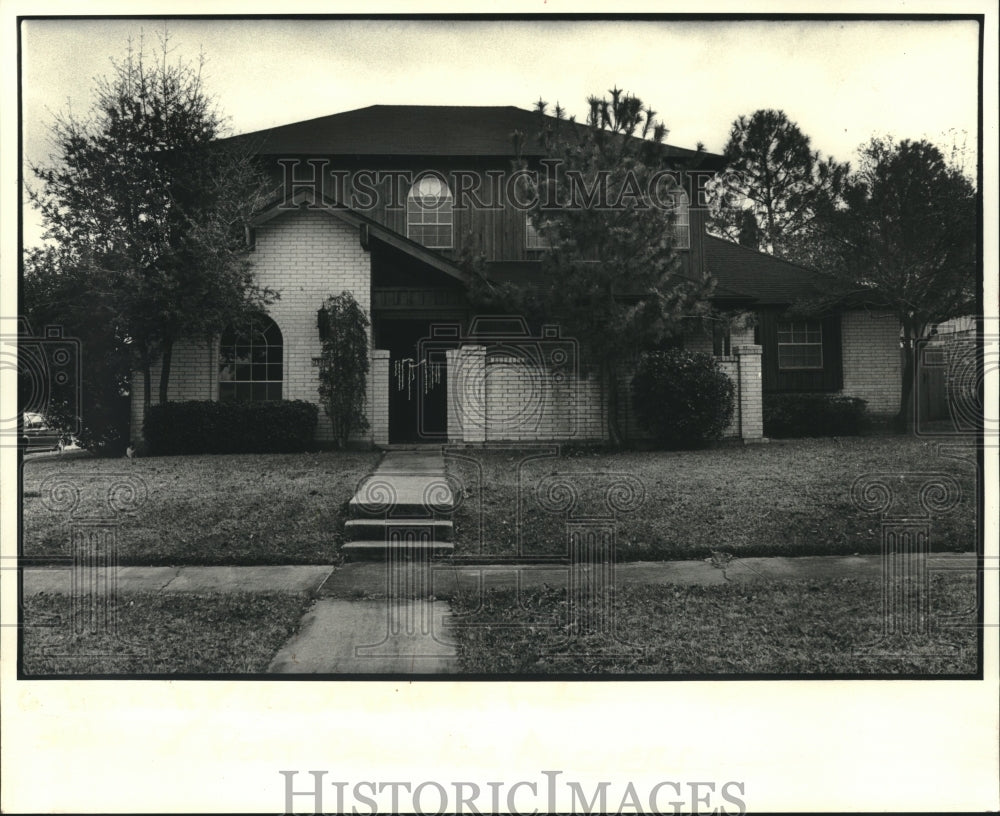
454 425
378 397
750 392
467 410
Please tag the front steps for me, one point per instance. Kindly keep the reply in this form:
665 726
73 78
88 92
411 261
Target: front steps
400 511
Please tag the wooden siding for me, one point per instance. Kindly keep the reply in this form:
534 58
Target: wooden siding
498 232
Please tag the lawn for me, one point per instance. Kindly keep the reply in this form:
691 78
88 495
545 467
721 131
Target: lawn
812 628
790 497
162 634
246 509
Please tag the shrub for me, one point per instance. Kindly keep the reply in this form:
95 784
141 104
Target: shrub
343 368
792 415
681 397
230 427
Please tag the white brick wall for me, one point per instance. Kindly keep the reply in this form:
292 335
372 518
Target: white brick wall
501 400
306 256
871 360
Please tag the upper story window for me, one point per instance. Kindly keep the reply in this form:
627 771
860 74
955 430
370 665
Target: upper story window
250 361
533 238
800 345
681 226
429 218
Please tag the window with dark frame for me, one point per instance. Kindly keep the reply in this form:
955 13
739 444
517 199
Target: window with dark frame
429 216
800 345
722 338
533 238
681 226
250 362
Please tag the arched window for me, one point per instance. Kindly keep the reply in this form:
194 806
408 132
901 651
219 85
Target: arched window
250 365
429 212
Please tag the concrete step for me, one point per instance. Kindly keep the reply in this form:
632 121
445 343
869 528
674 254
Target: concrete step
374 529
402 497
379 549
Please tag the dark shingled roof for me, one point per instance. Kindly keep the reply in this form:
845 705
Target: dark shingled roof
418 130
769 280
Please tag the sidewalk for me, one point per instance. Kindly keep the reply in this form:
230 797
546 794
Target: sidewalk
370 578
303 580
393 618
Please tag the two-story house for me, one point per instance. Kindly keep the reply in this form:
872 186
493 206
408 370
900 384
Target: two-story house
383 201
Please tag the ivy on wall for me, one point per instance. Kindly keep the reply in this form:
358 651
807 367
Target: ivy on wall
343 369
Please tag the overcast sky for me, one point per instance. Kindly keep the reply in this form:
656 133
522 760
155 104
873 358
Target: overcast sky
840 81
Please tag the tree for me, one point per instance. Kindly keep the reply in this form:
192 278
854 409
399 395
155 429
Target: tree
774 186
56 290
140 196
614 278
905 239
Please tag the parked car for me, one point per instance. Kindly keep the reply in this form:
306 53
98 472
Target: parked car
37 435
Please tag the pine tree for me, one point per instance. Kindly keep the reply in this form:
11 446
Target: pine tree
613 277
774 186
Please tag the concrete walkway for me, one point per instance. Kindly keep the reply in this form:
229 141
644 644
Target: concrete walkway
389 618
368 579
375 579
304 580
407 480
401 636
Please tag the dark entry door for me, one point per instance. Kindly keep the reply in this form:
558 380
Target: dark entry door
418 382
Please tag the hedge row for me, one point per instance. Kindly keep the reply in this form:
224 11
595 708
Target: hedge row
794 415
230 427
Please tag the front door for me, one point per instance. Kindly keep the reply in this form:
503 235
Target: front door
418 382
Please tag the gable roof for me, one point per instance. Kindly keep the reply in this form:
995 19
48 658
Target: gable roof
418 130
367 229
765 278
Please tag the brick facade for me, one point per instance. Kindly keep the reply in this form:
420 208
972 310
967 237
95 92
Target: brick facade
500 399
872 362
309 255
306 256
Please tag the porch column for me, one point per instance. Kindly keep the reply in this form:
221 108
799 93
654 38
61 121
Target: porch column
750 390
467 414
378 390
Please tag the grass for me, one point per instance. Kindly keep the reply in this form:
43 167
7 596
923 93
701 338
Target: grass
788 497
162 634
201 510
809 628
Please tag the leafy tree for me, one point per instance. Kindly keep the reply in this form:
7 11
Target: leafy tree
139 195
56 290
905 240
343 369
774 186
613 277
